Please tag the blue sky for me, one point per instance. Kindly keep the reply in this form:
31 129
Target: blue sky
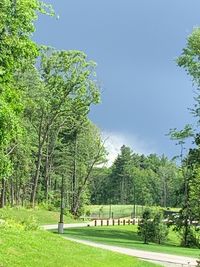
135 44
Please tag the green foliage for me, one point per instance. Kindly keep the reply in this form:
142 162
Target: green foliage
17 50
188 219
152 228
16 27
189 59
143 180
146 227
160 228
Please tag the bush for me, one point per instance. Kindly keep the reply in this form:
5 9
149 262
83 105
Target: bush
152 228
30 223
193 237
160 228
145 227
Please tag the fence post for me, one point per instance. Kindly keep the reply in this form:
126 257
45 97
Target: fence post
124 222
118 221
95 223
101 222
107 222
113 222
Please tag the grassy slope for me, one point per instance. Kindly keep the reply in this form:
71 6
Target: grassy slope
42 216
19 248
126 236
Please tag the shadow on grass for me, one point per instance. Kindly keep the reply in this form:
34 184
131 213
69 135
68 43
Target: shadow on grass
103 233
126 238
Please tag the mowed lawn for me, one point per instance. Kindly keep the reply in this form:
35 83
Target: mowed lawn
126 236
19 248
42 216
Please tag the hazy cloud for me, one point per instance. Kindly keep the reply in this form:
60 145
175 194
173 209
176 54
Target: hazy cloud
114 141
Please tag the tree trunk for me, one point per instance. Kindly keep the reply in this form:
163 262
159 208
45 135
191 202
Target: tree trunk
11 192
74 178
82 187
36 177
3 193
47 173
17 200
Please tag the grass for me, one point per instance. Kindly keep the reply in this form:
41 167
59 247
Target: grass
42 216
103 211
20 248
126 236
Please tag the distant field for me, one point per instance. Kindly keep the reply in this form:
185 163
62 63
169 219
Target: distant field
42 216
119 211
21 248
126 236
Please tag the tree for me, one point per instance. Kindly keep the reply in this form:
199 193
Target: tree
16 27
160 228
145 227
152 228
120 178
190 61
90 154
17 47
65 87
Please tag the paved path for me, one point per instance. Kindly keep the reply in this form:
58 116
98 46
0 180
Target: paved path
160 258
68 225
85 224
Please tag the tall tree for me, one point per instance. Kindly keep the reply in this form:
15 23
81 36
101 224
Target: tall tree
17 47
67 85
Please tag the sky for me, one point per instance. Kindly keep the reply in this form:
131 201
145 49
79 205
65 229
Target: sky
135 44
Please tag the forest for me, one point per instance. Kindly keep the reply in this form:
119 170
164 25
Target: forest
49 148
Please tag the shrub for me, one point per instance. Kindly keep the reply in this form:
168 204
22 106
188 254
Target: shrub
145 227
152 228
160 228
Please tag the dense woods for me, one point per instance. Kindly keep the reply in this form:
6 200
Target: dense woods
45 131
143 180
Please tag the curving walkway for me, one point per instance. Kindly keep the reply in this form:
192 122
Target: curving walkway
68 225
163 259
160 258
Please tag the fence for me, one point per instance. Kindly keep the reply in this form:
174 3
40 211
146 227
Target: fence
113 222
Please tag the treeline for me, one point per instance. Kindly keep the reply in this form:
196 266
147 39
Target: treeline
46 138
138 179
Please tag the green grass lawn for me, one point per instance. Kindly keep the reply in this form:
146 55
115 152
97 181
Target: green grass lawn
42 216
126 236
19 248
103 211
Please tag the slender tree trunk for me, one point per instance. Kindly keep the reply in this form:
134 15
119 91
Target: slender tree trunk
62 201
164 200
17 192
187 216
82 187
36 177
74 177
23 195
11 192
122 191
3 193
47 173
